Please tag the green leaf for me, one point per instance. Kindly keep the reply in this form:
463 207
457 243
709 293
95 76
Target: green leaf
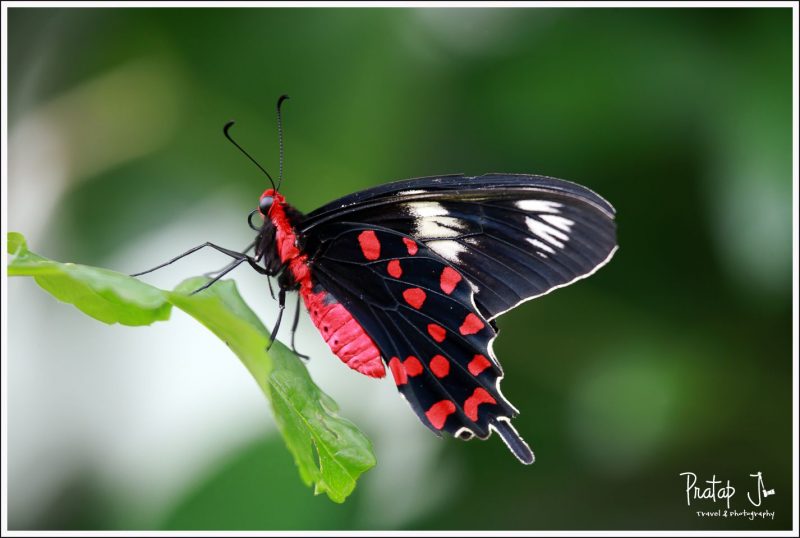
105 295
330 452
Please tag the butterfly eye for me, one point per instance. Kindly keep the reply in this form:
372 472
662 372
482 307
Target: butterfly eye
265 204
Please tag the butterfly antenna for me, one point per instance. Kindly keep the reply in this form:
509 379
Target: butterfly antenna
281 99
240 148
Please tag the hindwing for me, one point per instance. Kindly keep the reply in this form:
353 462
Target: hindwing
419 310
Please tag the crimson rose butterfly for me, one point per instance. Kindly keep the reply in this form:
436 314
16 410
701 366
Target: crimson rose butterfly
409 277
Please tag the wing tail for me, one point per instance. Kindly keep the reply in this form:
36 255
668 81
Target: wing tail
513 441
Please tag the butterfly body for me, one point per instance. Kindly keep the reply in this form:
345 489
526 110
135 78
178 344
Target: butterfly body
410 275
278 244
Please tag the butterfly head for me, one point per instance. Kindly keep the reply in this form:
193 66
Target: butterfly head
269 200
265 204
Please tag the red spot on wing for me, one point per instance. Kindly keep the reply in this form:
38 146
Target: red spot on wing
398 371
480 396
370 246
410 245
412 366
438 413
449 280
394 268
437 332
471 325
440 366
415 297
478 364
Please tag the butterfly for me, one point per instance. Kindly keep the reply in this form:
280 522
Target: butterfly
408 278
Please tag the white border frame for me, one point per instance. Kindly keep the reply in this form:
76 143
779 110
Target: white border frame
374 4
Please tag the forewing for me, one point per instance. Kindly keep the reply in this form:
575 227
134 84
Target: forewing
419 311
514 237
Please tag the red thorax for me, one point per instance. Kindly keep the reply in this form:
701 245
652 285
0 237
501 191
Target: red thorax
286 240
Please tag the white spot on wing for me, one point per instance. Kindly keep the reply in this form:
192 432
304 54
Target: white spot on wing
431 220
473 242
435 227
410 192
548 233
421 210
559 222
449 250
538 206
541 246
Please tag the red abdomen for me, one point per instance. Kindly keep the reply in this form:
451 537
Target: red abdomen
345 336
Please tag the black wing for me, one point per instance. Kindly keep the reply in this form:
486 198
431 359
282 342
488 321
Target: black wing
514 237
419 311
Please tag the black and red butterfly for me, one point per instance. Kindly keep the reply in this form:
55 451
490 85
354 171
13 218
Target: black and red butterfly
411 275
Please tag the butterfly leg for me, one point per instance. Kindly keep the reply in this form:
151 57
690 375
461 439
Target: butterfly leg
232 253
245 250
281 307
254 264
294 329
227 269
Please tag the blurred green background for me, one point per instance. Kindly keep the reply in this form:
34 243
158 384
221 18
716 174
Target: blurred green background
675 357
